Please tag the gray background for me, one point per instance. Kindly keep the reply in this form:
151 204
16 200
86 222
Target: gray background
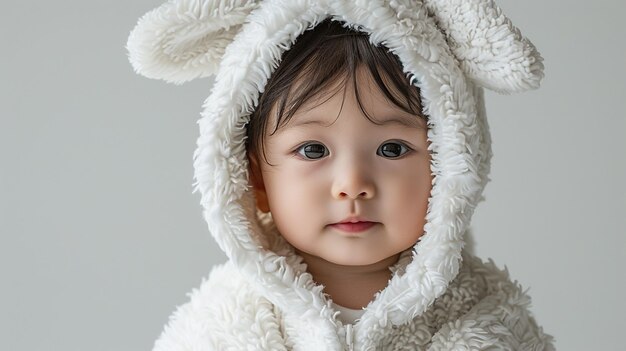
101 237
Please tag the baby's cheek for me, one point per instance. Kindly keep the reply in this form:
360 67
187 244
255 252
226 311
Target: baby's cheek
405 200
292 200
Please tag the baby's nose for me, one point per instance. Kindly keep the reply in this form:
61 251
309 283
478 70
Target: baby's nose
353 183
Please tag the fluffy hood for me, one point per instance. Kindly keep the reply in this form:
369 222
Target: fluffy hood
452 49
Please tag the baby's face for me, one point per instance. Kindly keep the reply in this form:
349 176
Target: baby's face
321 174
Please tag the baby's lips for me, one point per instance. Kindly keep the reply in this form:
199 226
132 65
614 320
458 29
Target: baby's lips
354 219
354 227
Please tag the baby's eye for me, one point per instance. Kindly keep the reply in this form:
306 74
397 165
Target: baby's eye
312 151
392 150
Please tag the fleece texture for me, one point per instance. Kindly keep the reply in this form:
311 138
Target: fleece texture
440 297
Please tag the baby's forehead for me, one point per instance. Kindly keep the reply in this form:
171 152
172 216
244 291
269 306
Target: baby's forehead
374 107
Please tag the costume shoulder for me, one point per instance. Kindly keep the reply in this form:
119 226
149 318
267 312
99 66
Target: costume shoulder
224 313
487 311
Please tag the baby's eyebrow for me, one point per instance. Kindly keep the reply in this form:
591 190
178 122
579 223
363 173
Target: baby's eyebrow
406 121
410 122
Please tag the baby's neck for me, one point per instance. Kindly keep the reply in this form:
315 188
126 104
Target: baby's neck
350 286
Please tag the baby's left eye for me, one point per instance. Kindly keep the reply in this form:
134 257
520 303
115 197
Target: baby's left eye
392 150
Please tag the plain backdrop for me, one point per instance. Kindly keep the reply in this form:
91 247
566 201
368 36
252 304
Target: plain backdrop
101 237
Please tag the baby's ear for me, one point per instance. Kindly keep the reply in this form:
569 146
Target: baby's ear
185 39
256 181
490 49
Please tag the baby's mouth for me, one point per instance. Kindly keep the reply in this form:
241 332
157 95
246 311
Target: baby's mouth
350 227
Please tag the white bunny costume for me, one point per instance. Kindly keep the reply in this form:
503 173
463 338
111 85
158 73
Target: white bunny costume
440 297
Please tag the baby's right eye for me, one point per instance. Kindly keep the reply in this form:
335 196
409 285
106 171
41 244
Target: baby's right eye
312 151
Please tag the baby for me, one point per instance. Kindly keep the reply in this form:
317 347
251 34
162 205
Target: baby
347 175
342 152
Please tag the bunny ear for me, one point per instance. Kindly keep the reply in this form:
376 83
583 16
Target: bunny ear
490 49
185 39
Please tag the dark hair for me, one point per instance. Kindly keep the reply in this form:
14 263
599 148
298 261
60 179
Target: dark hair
317 59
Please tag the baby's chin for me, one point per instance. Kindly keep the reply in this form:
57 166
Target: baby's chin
367 262
362 262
